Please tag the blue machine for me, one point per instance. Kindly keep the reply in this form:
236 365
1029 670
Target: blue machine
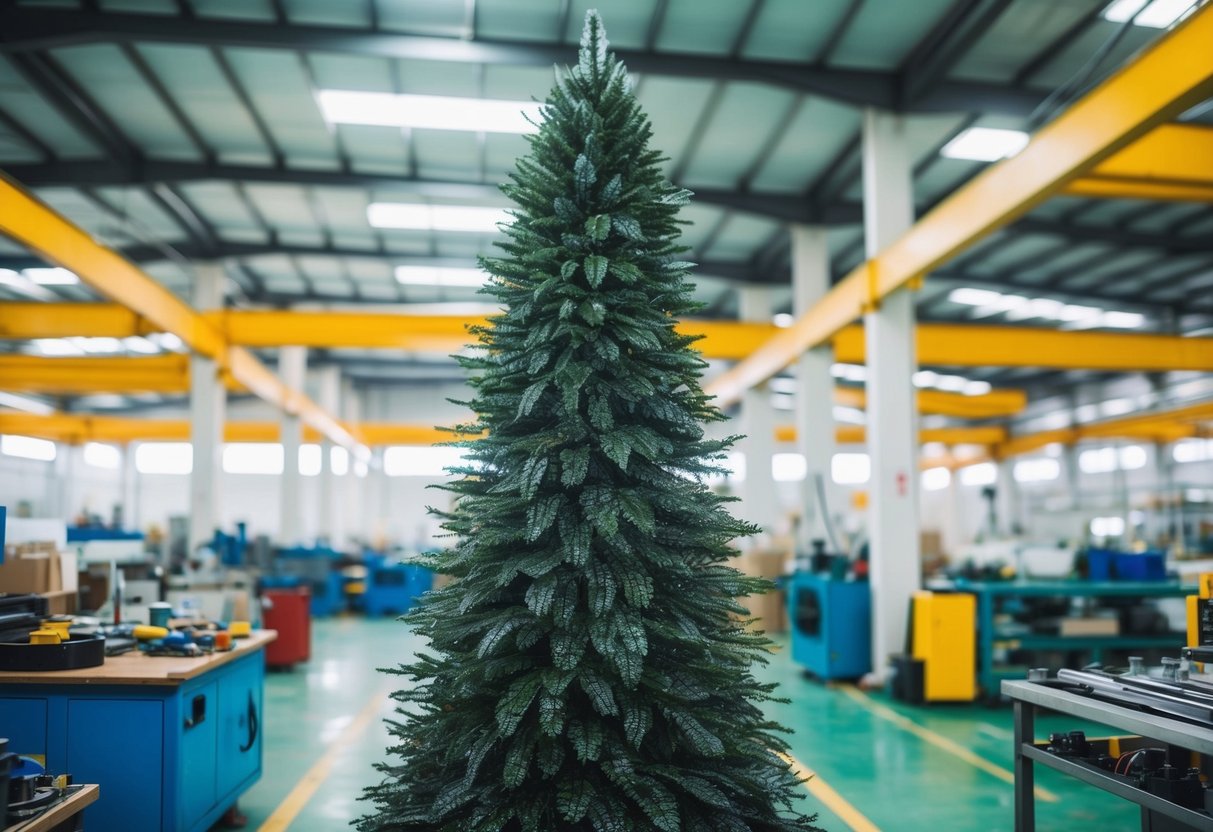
84 534
230 548
312 565
393 588
831 624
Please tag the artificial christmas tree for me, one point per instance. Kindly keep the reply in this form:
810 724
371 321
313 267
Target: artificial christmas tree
589 668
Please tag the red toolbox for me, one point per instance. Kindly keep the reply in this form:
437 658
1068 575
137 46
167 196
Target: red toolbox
289 612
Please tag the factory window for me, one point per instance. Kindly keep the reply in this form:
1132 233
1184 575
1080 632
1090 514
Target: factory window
983 473
1037 470
789 467
339 460
164 458
253 458
1107 526
420 461
27 447
1193 450
309 460
936 479
851 469
1104 460
99 455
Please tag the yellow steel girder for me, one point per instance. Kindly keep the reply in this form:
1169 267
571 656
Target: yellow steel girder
76 376
1172 162
959 345
973 345
1163 81
35 225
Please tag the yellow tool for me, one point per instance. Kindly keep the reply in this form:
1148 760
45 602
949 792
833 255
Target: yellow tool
146 632
59 627
240 629
45 637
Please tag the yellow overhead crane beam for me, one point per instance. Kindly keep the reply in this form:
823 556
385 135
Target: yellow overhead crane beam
1173 162
35 225
171 374
975 345
1163 81
74 428
958 345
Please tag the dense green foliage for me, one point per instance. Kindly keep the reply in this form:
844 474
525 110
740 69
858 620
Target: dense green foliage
590 668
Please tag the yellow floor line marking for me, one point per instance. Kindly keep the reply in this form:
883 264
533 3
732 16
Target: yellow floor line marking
939 741
832 800
294 802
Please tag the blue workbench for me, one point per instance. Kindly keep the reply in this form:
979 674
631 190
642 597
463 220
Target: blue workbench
990 594
173 742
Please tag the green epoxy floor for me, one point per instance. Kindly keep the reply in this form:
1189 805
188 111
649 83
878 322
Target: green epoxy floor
896 779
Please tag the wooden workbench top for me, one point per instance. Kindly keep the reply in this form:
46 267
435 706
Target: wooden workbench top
57 814
136 668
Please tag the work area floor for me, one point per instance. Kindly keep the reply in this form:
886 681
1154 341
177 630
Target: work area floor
879 765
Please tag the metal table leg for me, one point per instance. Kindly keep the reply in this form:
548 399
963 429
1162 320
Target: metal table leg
1025 785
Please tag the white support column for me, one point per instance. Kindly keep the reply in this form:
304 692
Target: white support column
327 517
814 385
130 489
351 512
67 468
893 518
759 502
1008 499
292 370
208 405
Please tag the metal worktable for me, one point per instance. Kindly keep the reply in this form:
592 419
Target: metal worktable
1028 696
990 635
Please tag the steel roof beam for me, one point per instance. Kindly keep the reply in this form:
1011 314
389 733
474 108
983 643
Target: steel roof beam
27 28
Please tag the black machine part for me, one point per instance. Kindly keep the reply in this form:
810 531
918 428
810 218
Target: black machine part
7 761
77 652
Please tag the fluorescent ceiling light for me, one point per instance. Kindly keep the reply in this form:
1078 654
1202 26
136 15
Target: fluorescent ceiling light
448 276
1157 15
985 144
56 346
1122 320
783 320
974 297
789 467
849 415
51 277
977 388
167 341
434 112
983 473
139 344
99 346
25 404
23 285
850 469
164 458
952 384
422 217
925 378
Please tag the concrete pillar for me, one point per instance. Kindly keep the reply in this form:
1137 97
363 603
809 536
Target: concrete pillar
351 513
328 396
759 501
130 489
1007 499
67 468
292 370
893 523
208 405
814 386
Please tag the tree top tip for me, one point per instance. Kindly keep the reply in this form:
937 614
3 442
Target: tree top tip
593 39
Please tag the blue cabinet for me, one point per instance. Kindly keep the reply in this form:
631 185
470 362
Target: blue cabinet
169 755
831 624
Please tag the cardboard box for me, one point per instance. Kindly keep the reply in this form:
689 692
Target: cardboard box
1089 627
29 568
770 609
61 603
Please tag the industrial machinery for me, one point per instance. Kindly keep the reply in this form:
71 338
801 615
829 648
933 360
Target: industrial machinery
287 610
831 622
942 658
